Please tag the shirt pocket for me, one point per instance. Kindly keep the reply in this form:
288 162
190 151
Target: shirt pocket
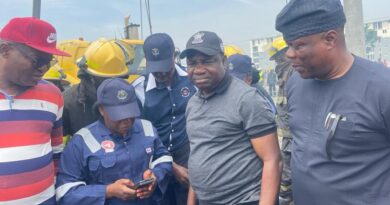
344 142
95 173
110 172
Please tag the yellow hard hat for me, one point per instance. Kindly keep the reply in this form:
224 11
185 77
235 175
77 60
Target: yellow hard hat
68 64
55 73
138 66
232 49
107 58
277 45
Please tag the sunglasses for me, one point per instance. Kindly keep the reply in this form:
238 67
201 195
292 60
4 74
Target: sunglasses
39 62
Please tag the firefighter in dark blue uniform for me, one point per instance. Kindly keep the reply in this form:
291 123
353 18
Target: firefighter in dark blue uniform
104 160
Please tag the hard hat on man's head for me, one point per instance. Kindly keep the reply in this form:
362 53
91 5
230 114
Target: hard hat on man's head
278 45
106 58
301 18
32 32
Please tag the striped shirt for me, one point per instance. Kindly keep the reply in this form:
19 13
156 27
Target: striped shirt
30 138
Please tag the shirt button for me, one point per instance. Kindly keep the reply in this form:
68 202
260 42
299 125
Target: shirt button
173 117
173 130
174 105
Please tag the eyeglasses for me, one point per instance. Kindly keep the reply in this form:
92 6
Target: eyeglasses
39 62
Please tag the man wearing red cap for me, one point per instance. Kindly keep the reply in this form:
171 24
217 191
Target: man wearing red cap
30 113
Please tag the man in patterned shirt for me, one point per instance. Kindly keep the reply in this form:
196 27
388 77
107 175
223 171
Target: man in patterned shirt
30 113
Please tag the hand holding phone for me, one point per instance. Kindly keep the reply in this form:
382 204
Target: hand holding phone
146 187
143 183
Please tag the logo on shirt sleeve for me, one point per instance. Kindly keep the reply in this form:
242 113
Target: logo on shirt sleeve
148 150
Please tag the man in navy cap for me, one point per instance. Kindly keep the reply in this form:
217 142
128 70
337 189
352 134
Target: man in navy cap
339 110
103 161
234 158
240 66
164 93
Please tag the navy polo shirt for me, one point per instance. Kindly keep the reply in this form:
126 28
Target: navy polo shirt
165 108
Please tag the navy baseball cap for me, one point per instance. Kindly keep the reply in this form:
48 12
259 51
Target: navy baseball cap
159 51
118 98
301 18
206 42
239 65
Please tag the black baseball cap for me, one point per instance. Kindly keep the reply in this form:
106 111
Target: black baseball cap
206 42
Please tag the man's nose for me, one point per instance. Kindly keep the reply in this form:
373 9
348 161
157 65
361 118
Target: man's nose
290 53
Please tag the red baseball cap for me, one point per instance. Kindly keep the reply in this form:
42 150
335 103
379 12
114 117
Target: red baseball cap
32 32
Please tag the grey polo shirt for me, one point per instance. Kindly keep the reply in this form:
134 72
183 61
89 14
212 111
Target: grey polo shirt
223 167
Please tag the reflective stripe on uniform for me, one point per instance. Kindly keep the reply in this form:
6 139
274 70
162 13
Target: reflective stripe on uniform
92 144
63 189
148 128
162 159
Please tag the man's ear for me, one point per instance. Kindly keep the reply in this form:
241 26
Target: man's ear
4 49
224 62
248 79
101 111
331 37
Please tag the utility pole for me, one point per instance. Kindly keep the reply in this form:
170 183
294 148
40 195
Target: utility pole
131 29
36 9
354 28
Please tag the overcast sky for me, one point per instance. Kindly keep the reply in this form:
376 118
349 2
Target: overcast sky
235 21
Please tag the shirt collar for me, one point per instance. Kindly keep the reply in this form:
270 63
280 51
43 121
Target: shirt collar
152 81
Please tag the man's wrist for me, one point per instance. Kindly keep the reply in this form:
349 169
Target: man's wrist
109 191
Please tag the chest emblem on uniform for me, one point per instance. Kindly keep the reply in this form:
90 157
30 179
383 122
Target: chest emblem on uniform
197 38
108 145
148 150
121 95
185 92
155 52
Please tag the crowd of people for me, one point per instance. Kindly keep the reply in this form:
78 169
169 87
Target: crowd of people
203 134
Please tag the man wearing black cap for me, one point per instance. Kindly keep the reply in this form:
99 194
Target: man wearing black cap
339 110
164 94
235 158
105 160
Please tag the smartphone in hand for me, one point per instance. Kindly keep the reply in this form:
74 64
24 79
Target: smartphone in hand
143 183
